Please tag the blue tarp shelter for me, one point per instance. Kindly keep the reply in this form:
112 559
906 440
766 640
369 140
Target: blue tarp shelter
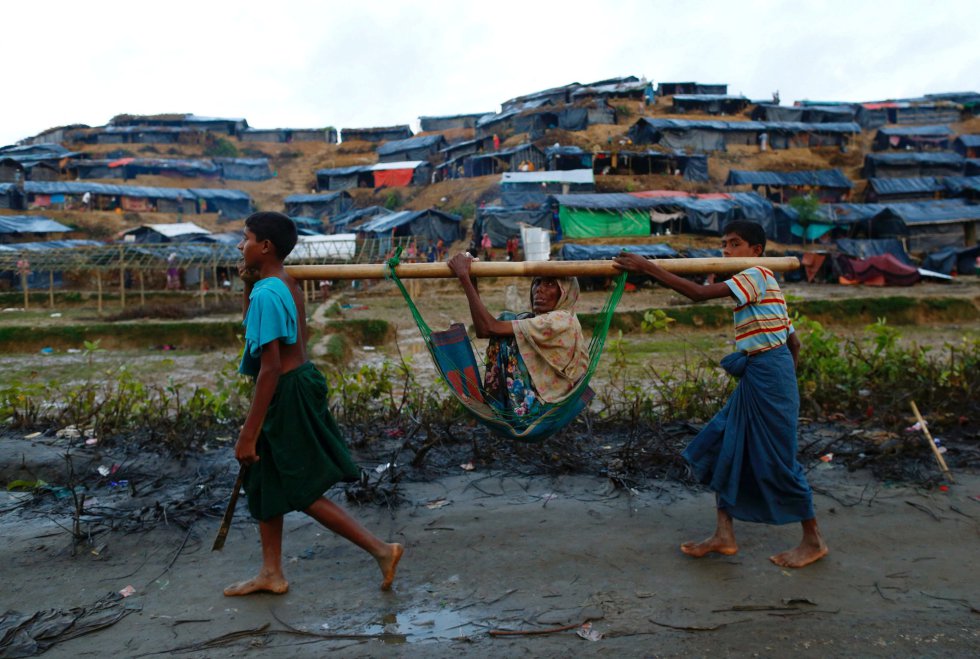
910 165
344 178
413 148
502 222
862 249
317 205
912 137
16 226
904 189
831 182
928 225
430 225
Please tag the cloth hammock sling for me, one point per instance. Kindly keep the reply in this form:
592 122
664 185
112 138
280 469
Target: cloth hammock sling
453 355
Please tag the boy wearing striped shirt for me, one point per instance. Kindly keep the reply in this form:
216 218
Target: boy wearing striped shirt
747 453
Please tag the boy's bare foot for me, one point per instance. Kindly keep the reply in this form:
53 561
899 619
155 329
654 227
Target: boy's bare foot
801 556
389 564
264 583
714 544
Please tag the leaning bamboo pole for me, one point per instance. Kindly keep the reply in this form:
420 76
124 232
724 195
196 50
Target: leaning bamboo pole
537 268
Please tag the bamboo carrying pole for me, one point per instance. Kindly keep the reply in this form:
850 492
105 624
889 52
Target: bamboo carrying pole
932 442
537 268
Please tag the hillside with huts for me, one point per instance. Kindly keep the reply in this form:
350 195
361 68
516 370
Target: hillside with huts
884 190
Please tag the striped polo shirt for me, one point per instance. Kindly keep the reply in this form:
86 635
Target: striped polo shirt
761 319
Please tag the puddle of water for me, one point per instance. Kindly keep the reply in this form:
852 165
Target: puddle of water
415 626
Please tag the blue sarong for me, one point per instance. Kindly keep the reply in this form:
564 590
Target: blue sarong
747 453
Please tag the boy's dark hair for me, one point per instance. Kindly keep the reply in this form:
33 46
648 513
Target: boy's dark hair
750 232
274 227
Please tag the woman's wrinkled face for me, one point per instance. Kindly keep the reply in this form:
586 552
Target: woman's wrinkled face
545 293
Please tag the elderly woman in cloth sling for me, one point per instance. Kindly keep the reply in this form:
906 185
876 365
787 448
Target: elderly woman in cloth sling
535 357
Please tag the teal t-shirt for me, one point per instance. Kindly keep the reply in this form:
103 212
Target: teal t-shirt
271 316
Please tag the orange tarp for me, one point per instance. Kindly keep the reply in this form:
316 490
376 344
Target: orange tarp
393 178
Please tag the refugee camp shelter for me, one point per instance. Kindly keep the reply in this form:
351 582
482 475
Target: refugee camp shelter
377 134
659 211
465 148
351 219
835 221
811 114
226 126
929 225
827 185
693 167
913 164
12 196
44 257
716 135
413 148
130 168
552 95
628 88
33 162
503 222
104 196
30 228
523 188
567 157
506 160
967 146
962 186
884 190
672 88
344 178
286 135
402 173
244 169
429 225
229 204
450 122
141 135
911 111
913 138
163 233
317 205
953 260
709 103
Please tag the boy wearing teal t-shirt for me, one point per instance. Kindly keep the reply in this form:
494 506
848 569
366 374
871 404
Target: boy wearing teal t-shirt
290 443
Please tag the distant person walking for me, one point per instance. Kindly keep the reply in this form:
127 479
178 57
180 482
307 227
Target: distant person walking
485 245
173 273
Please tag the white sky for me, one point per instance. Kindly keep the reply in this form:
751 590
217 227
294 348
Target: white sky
313 63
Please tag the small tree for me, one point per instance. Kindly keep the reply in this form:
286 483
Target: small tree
807 210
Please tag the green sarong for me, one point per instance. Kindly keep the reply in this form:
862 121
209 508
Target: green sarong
301 451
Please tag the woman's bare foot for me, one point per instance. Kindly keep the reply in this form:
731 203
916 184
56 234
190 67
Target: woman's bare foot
714 544
264 583
389 564
801 556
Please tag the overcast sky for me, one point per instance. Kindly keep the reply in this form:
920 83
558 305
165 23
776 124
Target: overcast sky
380 62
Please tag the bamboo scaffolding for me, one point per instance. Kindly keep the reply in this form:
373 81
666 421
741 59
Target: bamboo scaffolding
536 268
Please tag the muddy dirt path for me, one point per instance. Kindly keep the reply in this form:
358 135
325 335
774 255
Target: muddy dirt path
496 550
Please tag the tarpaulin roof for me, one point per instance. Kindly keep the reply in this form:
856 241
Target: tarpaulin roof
314 198
220 193
173 229
420 142
44 150
343 171
564 150
957 184
824 178
862 249
710 97
928 131
924 185
915 158
573 252
455 116
969 140
401 164
385 223
513 112
356 214
841 214
944 211
618 87
550 176
30 224
757 126
48 244
77 188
